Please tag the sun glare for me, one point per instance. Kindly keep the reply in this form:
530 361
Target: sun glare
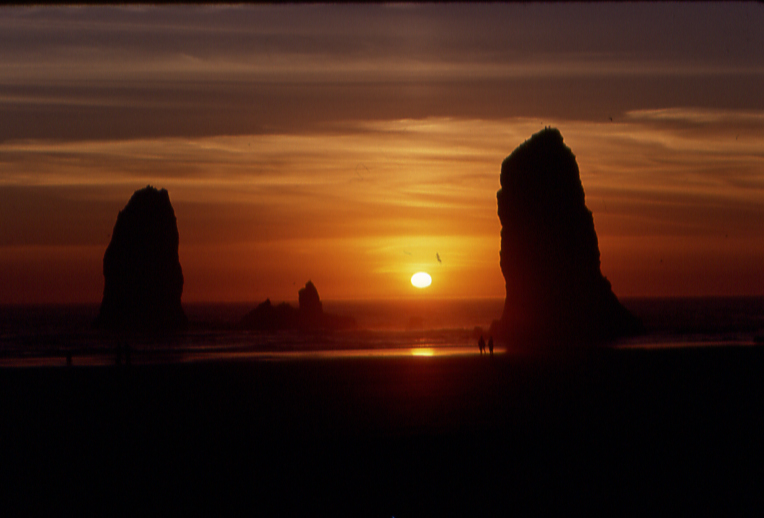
421 279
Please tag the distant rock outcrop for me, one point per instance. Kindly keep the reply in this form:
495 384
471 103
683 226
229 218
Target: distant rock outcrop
267 317
311 312
143 280
550 257
309 316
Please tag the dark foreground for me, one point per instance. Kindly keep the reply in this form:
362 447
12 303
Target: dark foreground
622 432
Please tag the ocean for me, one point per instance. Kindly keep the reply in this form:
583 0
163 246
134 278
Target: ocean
45 334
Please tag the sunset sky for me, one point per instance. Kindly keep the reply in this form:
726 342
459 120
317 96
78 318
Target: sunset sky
350 144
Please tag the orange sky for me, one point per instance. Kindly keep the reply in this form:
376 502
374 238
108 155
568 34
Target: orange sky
352 151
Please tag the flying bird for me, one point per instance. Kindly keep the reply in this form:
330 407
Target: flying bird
358 173
437 255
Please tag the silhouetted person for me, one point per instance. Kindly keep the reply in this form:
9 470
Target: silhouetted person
481 344
490 345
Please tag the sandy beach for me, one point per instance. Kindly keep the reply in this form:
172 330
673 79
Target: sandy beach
622 432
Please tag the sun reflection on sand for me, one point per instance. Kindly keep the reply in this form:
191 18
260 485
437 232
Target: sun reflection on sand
403 352
147 358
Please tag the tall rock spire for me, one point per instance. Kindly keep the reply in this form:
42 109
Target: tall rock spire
143 280
550 257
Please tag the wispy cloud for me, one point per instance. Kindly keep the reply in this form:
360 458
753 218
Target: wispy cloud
433 170
438 38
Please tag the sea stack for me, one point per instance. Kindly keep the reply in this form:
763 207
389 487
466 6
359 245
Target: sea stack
143 280
550 259
309 316
311 311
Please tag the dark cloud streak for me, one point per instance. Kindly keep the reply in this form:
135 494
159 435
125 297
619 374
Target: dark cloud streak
196 109
451 33
143 72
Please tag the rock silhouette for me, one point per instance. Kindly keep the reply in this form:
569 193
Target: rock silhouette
267 317
309 316
311 310
143 279
550 257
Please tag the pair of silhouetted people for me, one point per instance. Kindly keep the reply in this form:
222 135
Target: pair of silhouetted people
482 346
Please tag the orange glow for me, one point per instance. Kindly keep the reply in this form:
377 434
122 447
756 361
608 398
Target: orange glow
423 352
684 228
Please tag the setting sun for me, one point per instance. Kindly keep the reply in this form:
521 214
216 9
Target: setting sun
421 279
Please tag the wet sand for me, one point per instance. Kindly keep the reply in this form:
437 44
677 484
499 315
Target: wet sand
622 432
